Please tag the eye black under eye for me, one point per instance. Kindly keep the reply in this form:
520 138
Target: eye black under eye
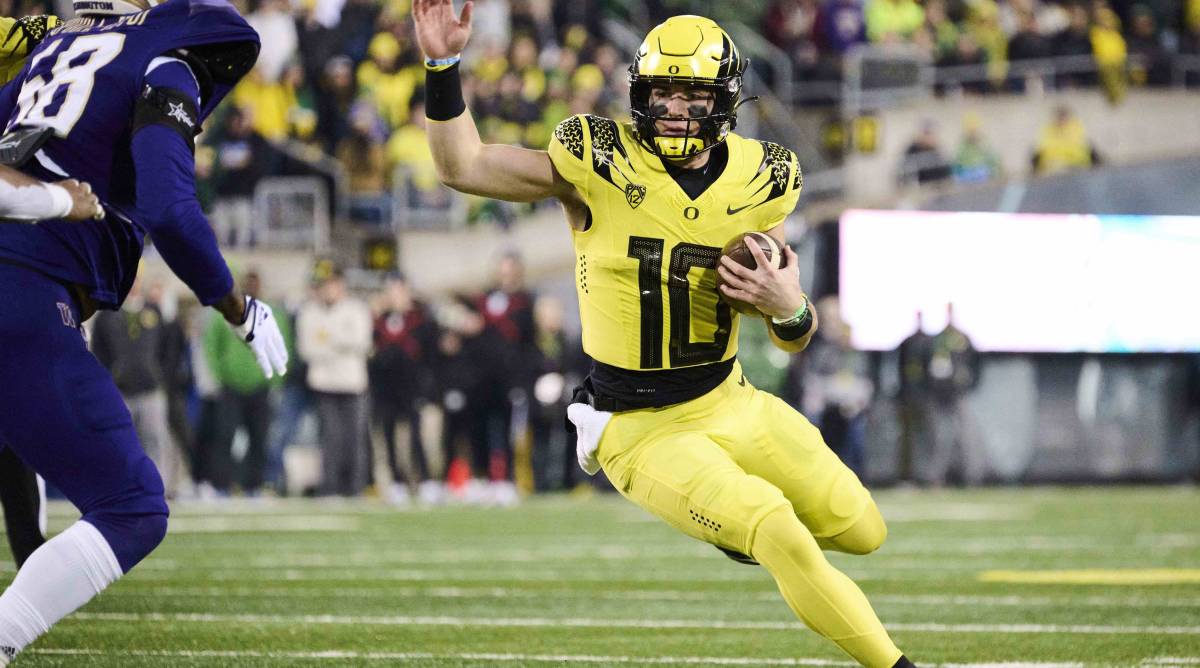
700 109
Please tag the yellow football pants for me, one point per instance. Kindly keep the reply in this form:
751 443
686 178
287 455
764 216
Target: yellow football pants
741 469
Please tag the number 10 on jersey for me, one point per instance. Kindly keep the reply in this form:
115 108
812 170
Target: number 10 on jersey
682 350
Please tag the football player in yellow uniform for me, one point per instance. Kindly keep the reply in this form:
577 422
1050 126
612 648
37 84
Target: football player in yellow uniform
668 414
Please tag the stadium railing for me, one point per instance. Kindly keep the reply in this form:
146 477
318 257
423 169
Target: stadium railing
294 212
881 76
416 208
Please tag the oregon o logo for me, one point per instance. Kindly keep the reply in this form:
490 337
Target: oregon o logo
674 69
691 213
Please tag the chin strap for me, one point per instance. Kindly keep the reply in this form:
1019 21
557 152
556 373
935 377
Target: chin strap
752 98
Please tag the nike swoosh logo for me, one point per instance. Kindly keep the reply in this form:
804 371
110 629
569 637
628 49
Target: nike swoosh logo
730 210
742 382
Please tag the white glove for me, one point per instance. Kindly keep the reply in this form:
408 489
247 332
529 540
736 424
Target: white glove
261 332
589 427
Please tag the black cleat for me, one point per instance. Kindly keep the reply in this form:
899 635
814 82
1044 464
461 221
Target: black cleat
903 662
738 556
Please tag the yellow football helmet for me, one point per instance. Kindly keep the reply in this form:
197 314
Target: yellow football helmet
692 51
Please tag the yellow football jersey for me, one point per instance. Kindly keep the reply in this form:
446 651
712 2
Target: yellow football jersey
646 265
17 38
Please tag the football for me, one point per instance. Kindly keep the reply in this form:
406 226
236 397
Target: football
737 250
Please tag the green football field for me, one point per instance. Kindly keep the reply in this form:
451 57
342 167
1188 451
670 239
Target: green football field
1009 577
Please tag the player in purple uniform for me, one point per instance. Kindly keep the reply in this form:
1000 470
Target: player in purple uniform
112 98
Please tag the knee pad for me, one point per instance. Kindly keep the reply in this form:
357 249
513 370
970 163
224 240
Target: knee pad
135 522
864 537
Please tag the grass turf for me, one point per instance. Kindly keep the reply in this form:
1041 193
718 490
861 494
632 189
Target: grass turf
593 582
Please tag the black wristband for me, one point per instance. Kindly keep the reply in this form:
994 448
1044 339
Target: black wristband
443 94
796 331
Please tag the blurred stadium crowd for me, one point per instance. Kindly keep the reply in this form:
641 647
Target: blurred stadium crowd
1130 42
461 400
343 78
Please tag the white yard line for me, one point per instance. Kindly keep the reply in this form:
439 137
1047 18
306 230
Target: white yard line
971 566
644 595
248 524
509 658
734 573
464 656
541 622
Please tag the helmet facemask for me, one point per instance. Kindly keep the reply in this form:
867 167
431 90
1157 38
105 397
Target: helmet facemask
704 128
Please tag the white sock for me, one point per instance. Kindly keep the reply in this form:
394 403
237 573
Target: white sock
58 578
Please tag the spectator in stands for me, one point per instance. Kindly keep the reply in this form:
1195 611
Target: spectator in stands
204 456
791 26
405 338
842 26
953 373
923 160
1027 44
408 149
295 398
913 400
317 27
513 111
361 153
386 81
277 27
245 401
269 103
301 104
336 95
1108 47
507 310
460 368
558 365
333 335
1150 60
242 157
523 61
535 18
983 25
1064 145
359 22
975 161
942 33
129 344
837 386
893 21
1074 40
177 369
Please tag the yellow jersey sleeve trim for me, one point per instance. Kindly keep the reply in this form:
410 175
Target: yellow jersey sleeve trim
789 181
570 151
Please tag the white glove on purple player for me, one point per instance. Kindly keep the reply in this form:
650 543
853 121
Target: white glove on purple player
589 427
261 332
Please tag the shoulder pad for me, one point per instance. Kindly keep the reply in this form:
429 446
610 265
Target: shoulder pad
782 164
569 133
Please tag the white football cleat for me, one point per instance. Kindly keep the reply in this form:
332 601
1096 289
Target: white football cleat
398 496
430 493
